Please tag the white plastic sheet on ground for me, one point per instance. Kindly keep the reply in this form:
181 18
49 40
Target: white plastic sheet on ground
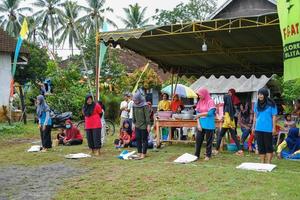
78 155
125 155
257 167
34 148
186 158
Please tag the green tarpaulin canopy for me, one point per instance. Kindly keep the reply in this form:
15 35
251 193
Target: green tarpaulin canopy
240 46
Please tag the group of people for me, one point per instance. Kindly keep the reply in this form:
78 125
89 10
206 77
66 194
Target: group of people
261 124
136 123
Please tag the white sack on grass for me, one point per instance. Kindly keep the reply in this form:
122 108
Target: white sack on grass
34 148
186 158
257 167
78 155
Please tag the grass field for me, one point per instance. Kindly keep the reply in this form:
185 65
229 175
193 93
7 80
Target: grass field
155 177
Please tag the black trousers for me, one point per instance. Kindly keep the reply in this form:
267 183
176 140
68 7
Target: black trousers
264 142
233 134
74 142
94 138
142 140
46 137
199 140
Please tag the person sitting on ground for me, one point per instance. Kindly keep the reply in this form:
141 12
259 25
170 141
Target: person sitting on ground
127 126
61 136
292 142
73 135
124 139
133 142
228 124
288 122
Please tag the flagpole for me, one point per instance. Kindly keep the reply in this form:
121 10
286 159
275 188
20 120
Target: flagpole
97 65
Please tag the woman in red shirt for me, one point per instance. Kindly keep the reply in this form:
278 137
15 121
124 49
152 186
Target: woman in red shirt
72 134
91 111
176 103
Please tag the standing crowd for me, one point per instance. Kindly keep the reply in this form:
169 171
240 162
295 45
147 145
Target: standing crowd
137 118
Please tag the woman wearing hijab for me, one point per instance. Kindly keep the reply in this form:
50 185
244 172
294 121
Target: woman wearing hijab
236 103
72 134
176 103
292 142
141 123
228 124
206 110
245 119
264 123
92 111
45 122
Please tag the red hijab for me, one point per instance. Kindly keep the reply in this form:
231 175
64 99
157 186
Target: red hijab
235 99
176 104
73 132
206 103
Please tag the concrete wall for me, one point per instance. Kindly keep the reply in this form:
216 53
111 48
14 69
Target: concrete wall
5 78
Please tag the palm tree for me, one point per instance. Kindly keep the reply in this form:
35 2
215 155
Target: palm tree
95 15
69 25
36 33
49 15
135 16
11 16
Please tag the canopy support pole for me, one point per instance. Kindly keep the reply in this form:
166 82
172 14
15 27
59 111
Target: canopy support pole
172 82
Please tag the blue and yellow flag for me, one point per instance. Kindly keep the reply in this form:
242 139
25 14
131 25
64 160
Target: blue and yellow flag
23 36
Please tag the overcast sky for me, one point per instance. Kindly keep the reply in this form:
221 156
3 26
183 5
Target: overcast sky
118 5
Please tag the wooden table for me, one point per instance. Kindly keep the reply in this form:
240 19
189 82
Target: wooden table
176 123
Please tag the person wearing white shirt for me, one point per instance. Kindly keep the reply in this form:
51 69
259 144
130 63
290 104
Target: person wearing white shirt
124 110
130 107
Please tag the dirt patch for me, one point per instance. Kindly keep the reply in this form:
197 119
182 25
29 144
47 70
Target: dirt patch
42 182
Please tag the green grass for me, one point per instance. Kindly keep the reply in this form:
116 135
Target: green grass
156 177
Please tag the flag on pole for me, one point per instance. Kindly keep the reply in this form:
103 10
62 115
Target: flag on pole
137 83
103 47
289 18
23 36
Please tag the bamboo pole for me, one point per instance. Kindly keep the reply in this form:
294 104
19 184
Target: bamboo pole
172 82
97 66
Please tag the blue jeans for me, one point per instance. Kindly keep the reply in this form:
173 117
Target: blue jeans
245 134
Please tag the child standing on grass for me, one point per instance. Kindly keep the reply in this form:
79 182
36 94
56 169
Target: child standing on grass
229 124
45 122
141 123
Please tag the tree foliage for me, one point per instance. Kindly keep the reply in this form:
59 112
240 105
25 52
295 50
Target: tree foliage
68 92
36 67
184 80
113 73
194 10
149 79
291 90
135 16
11 16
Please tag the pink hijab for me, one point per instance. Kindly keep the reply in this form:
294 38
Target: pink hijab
205 104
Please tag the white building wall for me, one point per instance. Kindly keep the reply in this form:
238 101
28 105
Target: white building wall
5 78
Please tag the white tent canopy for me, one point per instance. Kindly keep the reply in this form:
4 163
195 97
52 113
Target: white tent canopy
221 85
